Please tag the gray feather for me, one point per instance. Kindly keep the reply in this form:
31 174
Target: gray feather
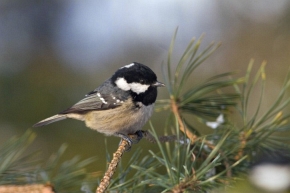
102 98
49 120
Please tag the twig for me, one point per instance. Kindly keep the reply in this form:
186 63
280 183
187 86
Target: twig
243 140
122 148
28 188
112 167
174 108
226 162
193 137
147 135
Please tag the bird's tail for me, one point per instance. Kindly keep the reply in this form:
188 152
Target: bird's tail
49 120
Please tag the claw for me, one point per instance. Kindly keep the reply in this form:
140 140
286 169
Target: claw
126 138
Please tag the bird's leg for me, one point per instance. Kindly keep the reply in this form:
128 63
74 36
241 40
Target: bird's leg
139 134
126 138
131 138
136 137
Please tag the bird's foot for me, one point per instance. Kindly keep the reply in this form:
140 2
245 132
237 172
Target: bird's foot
138 136
131 138
126 138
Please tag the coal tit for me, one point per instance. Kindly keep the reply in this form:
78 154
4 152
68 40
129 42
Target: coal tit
120 106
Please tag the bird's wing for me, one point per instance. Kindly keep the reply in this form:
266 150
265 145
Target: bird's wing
93 101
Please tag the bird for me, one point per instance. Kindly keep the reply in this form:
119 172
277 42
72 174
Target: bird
120 106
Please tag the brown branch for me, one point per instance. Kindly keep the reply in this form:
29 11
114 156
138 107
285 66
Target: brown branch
112 167
193 137
188 133
36 188
243 140
226 161
147 135
122 148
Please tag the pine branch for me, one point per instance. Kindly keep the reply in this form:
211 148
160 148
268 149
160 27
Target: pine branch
182 126
19 173
35 188
112 166
123 146
163 139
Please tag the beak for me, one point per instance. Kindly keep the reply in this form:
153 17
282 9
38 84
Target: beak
158 84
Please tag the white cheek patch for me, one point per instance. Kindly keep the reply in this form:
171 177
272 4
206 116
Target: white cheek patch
135 87
128 66
138 88
122 84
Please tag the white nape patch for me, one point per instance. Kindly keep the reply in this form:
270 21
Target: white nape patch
128 66
101 98
138 88
122 84
270 177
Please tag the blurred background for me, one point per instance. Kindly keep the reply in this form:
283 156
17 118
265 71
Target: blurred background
54 52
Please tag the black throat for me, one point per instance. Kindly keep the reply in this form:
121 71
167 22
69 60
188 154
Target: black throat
147 98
